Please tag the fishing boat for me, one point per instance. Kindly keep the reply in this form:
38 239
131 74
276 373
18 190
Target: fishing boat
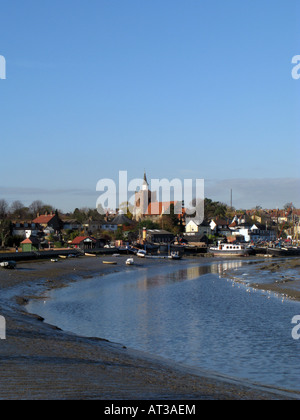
109 262
224 249
8 265
129 261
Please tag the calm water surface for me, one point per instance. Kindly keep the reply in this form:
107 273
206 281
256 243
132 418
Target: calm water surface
191 314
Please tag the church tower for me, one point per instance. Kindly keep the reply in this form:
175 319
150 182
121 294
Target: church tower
142 200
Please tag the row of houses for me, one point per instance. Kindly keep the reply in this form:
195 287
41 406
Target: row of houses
41 231
244 227
51 224
277 216
240 228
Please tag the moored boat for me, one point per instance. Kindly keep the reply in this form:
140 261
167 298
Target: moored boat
175 255
225 249
284 251
141 253
129 261
8 265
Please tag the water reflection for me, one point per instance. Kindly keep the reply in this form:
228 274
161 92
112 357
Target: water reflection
229 265
190 272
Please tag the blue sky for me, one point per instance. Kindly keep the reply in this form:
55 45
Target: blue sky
183 89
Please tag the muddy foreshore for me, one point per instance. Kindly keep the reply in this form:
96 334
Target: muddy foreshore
39 361
289 284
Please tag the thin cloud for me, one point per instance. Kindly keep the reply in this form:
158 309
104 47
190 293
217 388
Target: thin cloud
23 191
248 193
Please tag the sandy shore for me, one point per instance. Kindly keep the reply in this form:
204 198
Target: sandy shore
39 361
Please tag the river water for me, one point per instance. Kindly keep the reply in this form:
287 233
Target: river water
189 313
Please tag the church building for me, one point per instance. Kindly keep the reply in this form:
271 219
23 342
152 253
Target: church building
143 198
147 206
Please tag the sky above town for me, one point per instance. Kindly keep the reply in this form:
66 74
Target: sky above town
179 88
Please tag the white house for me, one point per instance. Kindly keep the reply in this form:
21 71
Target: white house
243 231
194 226
254 233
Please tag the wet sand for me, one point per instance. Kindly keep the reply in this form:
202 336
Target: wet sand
39 361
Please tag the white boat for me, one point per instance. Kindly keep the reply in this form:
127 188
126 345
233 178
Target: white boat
224 249
141 253
130 261
8 264
175 255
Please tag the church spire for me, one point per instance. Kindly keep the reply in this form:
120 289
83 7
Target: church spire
145 184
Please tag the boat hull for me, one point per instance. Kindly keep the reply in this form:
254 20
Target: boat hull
8 265
282 252
141 254
229 253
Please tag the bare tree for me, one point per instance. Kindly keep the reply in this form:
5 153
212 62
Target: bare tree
289 206
17 209
36 207
3 209
5 231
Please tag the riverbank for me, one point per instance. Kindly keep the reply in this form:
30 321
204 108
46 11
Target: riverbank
38 361
278 275
289 284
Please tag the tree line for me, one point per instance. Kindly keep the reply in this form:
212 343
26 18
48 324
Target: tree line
17 211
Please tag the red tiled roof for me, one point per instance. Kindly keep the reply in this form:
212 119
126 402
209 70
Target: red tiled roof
44 219
26 241
79 239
